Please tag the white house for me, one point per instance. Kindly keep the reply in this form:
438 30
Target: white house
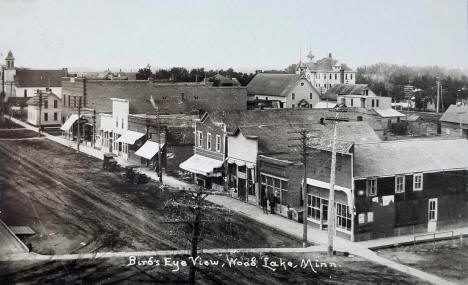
50 111
326 72
281 91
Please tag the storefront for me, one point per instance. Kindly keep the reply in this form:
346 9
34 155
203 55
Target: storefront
208 172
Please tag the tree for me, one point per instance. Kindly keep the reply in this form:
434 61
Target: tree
144 73
189 214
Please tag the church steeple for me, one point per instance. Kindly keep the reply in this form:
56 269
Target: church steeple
10 61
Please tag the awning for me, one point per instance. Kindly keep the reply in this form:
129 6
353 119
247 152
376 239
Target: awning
148 150
69 122
129 137
326 185
201 164
240 162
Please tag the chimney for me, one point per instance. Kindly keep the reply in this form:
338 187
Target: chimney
342 75
329 55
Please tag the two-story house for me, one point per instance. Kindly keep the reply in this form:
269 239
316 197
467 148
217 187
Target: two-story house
49 111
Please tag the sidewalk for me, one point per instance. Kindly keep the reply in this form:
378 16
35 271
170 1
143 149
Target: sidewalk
315 236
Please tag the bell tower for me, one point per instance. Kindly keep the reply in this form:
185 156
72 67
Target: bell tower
10 61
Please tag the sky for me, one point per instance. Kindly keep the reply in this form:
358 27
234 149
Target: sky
243 34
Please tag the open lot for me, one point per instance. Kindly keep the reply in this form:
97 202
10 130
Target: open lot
348 270
448 260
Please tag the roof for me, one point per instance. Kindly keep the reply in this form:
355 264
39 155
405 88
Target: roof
220 80
409 156
389 113
452 115
9 242
129 137
345 89
234 119
34 101
39 78
413 118
325 105
272 84
10 56
326 64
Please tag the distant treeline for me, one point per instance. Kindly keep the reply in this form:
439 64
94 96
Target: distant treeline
180 74
389 79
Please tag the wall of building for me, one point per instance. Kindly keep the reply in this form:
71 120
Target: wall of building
408 211
32 91
171 98
302 91
205 127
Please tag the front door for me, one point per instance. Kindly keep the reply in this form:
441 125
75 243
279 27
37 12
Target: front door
432 215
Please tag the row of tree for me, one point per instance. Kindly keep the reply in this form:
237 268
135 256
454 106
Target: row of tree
181 74
389 80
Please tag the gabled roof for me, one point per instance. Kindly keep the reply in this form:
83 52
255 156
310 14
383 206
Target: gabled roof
34 101
454 113
344 89
325 64
39 78
409 156
273 84
18 101
389 113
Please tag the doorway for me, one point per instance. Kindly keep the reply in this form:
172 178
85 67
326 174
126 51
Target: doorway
432 215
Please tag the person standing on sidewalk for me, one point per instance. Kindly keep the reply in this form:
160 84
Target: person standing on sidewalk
264 202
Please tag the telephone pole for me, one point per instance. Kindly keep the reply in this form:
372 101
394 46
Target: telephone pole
304 141
159 145
438 90
78 136
40 113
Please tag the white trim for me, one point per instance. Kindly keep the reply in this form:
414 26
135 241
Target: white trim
208 141
218 138
396 184
199 139
369 188
414 181
266 174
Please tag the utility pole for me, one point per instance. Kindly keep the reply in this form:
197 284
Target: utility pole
94 128
40 113
78 134
159 146
2 98
304 139
438 90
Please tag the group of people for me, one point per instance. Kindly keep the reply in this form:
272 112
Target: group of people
268 202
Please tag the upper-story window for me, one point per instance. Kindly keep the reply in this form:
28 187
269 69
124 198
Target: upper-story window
25 93
330 76
351 75
400 184
346 76
46 104
373 103
55 104
302 83
311 96
376 103
336 76
418 182
218 143
208 141
293 96
200 139
371 187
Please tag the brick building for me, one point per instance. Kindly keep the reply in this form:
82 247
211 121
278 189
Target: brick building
172 98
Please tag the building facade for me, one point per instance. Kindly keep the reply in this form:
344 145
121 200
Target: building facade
50 112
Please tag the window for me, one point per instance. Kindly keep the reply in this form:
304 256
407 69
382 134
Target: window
46 104
373 103
275 186
46 117
370 217
433 209
200 139
371 186
336 76
330 76
121 123
218 143
208 141
293 96
313 207
343 217
376 103
182 96
196 97
400 184
346 76
418 182
302 83
68 100
311 96
25 93
351 102
292 106
55 116
55 103
351 75
362 218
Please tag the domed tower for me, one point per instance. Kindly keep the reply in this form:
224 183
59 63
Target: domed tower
10 61
310 56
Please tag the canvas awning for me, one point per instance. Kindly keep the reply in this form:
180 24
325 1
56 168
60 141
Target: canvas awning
326 185
148 150
240 162
201 164
69 122
129 137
